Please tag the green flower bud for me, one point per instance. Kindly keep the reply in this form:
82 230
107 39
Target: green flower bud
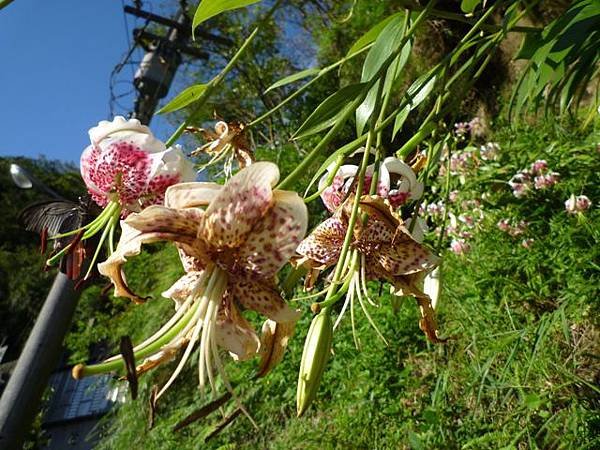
314 357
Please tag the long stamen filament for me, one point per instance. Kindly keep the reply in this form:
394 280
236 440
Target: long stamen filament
116 363
216 285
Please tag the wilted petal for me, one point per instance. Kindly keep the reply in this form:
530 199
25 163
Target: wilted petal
274 340
234 333
256 295
274 239
130 244
189 195
241 203
409 285
324 244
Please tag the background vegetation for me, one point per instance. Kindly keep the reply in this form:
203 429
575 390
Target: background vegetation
521 370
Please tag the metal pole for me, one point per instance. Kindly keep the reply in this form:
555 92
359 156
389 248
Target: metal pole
21 398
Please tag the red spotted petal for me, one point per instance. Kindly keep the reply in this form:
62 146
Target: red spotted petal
240 205
256 295
274 239
324 244
405 256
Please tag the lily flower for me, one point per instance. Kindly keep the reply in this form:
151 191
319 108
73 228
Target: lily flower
232 240
382 249
125 169
229 142
397 182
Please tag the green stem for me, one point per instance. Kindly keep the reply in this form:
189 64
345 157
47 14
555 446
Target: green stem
149 350
212 84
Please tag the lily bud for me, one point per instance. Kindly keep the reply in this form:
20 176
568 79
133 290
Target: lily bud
314 357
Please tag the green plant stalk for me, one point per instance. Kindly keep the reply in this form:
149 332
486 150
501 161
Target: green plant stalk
212 84
301 168
352 220
152 348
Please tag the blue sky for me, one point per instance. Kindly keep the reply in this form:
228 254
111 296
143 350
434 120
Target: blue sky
57 57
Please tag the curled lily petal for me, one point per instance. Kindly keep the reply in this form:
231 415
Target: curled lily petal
275 237
324 244
241 203
234 333
159 219
189 195
130 244
334 194
274 340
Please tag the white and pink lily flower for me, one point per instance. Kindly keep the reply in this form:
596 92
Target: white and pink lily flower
577 204
125 169
382 248
126 164
396 181
232 240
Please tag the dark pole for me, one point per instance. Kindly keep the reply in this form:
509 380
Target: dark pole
21 398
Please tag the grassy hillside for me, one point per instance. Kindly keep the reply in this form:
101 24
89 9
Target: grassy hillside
521 370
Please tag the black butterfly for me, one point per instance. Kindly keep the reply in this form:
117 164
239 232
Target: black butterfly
52 217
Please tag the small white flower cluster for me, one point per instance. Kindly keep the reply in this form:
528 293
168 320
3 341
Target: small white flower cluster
538 177
577 204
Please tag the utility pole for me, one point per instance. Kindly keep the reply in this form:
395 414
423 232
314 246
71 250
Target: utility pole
21 398
163 56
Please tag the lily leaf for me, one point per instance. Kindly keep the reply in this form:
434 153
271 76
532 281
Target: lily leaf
468 6
4 3
371 35
210 8
386 44
331 110
293 77
184 98
416 93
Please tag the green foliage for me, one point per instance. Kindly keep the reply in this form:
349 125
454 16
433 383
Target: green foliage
563 59
183 99
519 372
210 8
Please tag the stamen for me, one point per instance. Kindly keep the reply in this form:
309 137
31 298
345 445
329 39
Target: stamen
221 370
369 318
351 295
363 281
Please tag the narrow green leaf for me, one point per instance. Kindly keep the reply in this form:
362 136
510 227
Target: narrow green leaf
420 89
4 3
184 98
387 43
468 6
210 8
332 108
416 93
293 77
399 120
371 35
